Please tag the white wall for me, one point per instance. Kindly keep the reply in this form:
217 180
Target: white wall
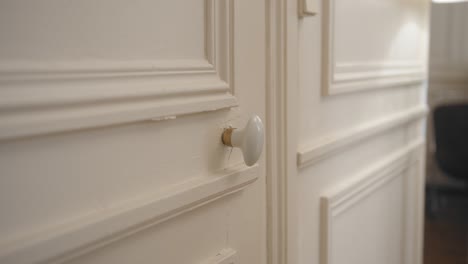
362 86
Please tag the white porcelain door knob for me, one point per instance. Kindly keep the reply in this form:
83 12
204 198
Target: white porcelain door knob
249 139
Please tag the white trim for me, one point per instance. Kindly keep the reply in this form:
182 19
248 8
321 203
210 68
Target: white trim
282 122
291 97
38 98
344 77
344 197
74 238
276 139
18 71
310 154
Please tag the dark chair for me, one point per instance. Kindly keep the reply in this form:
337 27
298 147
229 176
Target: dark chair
451 154
451 137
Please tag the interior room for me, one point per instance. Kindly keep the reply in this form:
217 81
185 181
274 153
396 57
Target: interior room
233 131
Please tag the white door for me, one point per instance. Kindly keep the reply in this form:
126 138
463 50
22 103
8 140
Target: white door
111 115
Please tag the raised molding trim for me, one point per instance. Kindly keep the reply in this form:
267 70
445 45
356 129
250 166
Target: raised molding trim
343 77
280 147
77 237
344 197
327 146
39 98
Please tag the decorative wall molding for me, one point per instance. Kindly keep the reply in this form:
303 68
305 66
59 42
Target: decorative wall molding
362 76
342 77
338 201
38 98
323 148
77 237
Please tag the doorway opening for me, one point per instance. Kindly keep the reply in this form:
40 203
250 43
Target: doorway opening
446 219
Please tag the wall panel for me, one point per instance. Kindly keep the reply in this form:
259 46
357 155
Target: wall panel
362 86
367 213
371 45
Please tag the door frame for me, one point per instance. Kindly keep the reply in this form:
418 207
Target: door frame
281 126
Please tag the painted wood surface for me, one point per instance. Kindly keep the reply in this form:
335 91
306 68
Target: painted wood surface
111 115
362 100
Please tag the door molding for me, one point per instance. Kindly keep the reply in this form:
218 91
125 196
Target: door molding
275 145
282 121
70 95
90 232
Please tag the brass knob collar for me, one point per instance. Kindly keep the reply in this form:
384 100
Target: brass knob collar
226 138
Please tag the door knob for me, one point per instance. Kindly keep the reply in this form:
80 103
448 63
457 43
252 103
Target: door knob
249 139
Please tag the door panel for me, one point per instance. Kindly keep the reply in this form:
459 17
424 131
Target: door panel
87 70
111 119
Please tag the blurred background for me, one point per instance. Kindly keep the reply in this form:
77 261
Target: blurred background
446 224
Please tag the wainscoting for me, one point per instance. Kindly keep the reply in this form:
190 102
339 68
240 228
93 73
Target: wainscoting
360 153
